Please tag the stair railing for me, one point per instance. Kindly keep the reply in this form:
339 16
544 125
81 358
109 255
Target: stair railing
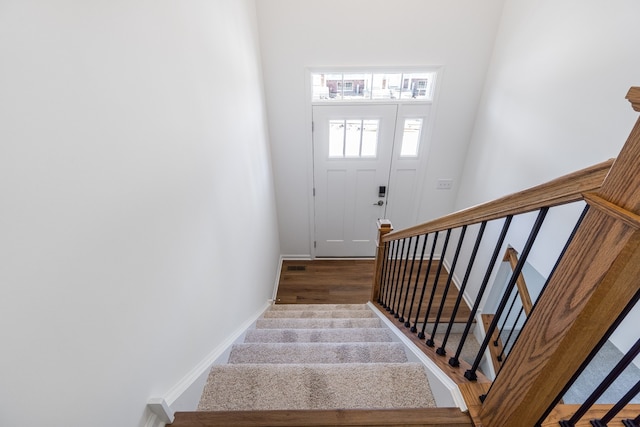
594 278
412 285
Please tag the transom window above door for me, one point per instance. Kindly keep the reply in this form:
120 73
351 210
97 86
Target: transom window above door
373 86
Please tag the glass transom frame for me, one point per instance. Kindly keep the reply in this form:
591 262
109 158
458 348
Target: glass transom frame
372 86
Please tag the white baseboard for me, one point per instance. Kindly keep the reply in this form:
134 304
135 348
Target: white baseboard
277 284
152 420
190 386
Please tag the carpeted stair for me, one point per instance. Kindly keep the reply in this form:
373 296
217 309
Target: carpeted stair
317 357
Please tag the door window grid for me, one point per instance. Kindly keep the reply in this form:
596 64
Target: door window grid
353 138
417 86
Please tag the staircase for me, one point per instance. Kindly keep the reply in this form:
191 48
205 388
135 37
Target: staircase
318 357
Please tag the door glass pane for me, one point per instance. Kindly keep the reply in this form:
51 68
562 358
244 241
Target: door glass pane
411 137
369 138
352 138
417 86
336 138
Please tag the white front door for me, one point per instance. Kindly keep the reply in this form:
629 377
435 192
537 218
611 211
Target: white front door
353 145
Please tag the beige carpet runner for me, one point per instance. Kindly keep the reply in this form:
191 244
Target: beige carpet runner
317 357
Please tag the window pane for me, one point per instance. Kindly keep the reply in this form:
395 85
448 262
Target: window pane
369 138
352 138
319 88
365 85
394 82
411 137
386 86
357 86
417 86
333 82
336 138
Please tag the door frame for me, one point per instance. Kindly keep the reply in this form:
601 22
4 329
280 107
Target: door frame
428 130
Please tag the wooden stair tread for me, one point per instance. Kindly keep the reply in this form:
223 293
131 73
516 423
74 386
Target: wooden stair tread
426 417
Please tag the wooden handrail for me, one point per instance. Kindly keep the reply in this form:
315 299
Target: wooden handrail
566 189
511 256
592 286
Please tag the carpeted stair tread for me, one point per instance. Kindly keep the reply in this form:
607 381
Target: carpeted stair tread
314 353
288 323
318 307
312 386
325 314
469 350
335 335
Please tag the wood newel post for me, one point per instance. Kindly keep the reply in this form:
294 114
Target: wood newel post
384 227
592 284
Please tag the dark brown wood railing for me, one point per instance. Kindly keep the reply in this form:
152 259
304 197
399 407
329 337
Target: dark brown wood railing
594 281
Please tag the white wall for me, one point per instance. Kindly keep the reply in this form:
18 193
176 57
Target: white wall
137 207
554 97
297 34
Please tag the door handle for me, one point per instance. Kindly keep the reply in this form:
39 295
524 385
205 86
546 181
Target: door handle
379 203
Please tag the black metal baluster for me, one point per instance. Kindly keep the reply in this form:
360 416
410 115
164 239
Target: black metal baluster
463 286
632 423
455 360
617 407
415 287
397 278
496 342
383 273
404 274
471 373
406 296
392 269
604 385
435 284
506 343
386 274
414 328
430 342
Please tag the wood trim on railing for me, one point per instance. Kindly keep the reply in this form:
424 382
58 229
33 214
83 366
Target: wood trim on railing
511 256
609 208
566 189
384 227
634 98
591 286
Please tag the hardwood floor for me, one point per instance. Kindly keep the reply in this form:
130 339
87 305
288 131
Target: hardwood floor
325 281
349 282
